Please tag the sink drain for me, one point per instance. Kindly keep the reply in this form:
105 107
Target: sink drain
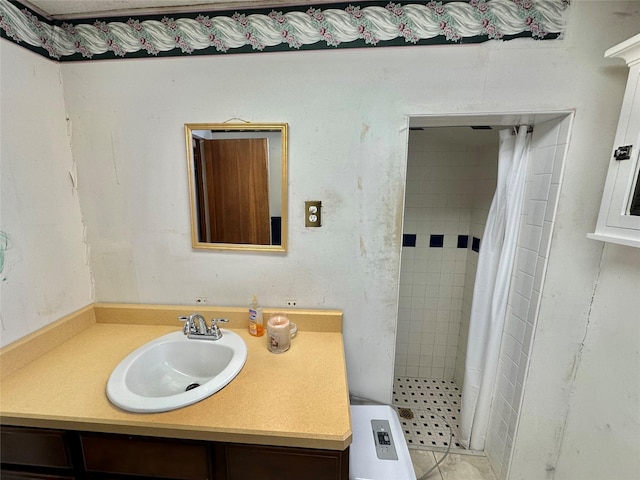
405 413
191 387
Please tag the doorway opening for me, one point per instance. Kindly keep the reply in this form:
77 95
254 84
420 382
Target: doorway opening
451 178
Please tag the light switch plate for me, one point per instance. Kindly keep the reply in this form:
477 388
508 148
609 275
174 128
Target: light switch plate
312 213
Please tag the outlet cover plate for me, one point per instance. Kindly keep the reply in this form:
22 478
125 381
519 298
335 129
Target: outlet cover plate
312 213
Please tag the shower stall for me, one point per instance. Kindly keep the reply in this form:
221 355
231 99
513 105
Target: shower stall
451 179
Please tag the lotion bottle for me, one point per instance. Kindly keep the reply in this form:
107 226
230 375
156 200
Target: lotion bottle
256 324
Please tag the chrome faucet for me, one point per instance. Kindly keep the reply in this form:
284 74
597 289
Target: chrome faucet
201 329
195 327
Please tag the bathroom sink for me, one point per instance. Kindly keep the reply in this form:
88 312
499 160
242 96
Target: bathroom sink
174 371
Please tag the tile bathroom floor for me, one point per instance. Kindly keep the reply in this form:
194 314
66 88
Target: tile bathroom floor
454 466
429 410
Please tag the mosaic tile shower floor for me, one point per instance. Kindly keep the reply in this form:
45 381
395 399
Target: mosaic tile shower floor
418 401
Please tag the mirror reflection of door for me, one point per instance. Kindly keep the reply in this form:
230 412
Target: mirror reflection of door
232 178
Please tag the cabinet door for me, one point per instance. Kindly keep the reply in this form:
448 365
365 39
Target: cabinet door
34 447
625 172
145 456
619 216
281 463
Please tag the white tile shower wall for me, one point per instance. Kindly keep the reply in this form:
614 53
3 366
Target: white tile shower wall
549 145
446 183
470 277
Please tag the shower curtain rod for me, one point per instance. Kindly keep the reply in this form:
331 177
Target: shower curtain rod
514 129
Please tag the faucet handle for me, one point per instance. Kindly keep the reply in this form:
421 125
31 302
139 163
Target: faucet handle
188 325
214 331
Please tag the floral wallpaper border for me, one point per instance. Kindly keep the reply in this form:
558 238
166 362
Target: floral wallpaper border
356 24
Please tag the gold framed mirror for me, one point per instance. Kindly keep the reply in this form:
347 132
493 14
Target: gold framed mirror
238 185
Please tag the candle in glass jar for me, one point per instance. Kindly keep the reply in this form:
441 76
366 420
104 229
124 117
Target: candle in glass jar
279 331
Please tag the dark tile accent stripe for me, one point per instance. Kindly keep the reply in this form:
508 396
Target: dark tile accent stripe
475 245
409 240
436 241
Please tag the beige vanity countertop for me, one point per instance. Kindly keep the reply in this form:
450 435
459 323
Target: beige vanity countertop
298 399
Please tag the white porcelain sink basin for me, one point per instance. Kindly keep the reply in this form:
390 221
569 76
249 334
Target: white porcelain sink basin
173 371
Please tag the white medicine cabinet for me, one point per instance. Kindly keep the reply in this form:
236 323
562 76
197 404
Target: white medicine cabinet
619 217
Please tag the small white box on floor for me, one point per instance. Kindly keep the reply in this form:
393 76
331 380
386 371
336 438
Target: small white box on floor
372 440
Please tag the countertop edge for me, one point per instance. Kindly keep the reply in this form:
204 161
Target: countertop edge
177 432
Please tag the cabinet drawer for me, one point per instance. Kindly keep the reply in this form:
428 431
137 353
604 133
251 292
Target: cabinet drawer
279 463
11 475
34 447
151 457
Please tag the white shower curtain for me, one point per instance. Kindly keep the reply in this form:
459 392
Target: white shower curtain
493 277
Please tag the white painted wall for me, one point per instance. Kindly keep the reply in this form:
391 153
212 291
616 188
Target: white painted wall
604 410
347 114
45 272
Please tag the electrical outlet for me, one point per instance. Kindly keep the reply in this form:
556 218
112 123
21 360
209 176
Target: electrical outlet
201 300
291 303
312 213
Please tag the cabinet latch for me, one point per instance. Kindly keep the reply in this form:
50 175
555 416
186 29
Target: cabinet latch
623 153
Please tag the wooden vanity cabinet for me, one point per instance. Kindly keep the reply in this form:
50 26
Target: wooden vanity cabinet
20 475
43 454
33 453
120 455
241 462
